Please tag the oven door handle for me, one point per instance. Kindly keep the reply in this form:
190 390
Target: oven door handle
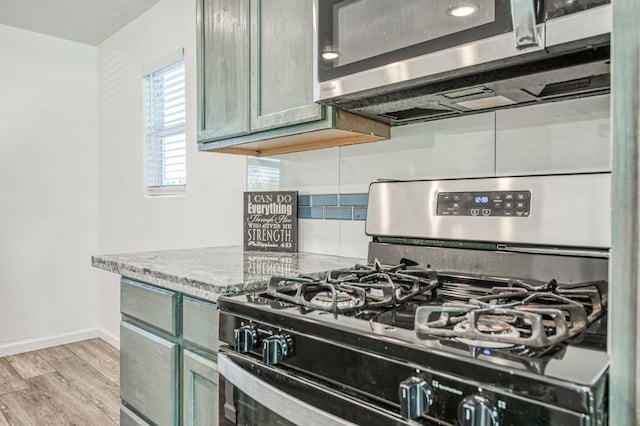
292 409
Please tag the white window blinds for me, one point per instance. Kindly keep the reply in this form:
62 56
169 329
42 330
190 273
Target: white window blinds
165 130
264 176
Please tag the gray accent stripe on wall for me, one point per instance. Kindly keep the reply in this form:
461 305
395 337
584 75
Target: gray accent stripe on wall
324 200
304 200
344 213
333 206
354 199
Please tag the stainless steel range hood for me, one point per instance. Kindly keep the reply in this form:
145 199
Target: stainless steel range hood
571 60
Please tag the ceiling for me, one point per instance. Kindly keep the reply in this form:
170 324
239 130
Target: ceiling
84 21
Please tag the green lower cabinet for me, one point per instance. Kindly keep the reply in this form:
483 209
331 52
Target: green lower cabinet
199 389
168 357
129 418
149 374
200 323
156 307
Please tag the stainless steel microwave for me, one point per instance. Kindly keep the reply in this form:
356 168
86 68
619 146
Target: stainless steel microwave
375 56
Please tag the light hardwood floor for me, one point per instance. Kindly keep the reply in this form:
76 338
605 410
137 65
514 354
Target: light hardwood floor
74 384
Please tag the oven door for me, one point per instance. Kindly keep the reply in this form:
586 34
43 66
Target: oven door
364 44
253 394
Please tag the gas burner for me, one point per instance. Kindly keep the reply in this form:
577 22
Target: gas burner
387 286
360 288
541 318
343 301
490 312
314 294
489 326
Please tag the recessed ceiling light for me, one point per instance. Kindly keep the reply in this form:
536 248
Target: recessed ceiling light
329 54
463 10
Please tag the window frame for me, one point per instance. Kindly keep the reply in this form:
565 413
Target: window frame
161 188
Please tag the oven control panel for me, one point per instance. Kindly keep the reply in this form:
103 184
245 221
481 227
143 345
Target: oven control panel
487 203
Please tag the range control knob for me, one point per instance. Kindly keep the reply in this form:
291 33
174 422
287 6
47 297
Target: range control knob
276 348
476 410
416 397
246 338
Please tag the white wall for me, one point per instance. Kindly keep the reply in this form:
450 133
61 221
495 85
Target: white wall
210 214
49 207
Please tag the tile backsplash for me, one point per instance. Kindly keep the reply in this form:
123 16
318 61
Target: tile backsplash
562 137
333 206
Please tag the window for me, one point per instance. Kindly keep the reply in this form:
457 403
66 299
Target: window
165 152
264 176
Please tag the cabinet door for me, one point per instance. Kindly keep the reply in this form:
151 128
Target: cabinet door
282 64
223 68
148 374
200 390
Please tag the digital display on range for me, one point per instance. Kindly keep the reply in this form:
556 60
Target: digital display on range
487 203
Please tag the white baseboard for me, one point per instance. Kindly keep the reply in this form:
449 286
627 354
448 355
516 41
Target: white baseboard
28 345
109 338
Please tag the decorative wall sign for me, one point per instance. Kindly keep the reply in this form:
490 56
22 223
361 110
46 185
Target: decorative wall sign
271 221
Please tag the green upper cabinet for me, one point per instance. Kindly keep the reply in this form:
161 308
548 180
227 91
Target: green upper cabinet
282 64
256 79
223 79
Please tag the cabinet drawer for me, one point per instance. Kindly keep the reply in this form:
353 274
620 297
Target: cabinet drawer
153 305
148 374
129 418
200 323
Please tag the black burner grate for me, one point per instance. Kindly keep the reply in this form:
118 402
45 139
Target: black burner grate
358 288
478 310
544 317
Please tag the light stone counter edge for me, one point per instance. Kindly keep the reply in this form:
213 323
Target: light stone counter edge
209 272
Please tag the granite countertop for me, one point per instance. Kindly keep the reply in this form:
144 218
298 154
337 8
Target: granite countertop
213 271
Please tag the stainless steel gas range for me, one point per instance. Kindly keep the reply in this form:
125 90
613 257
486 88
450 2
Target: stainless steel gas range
483 303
